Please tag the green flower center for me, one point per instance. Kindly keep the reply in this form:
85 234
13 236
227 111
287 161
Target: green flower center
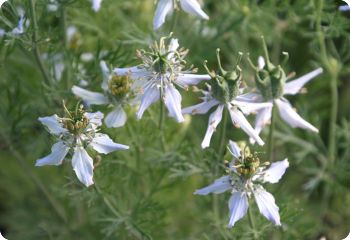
248 166
119 86
75 122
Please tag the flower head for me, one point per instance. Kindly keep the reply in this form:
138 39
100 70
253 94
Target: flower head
163 67
224 91
273 85
246 173
165 7
76 131
117 93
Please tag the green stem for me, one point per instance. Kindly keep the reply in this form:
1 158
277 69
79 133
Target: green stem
107 202
271 134
35 43
161 120
332 68
220 159
252 223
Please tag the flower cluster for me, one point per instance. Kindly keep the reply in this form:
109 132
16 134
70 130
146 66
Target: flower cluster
161 75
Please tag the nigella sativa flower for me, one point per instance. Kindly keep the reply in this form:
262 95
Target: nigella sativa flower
117 92
245 175
223 91
163 68
165 7
76 131
272 85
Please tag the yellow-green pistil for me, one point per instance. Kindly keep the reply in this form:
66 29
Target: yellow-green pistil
119 86
76 122
248 166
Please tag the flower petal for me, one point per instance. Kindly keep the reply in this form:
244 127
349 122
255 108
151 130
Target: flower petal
105 75
193 7
263 118
90 97
293 87
150 96
134 72
116 118
251 107
289 115
274 173
95 119
164 7
184 80
102 143
52 124
238 205
58 152
172 100
235 150
200 108
83 166
214 120
220 185
238 118
267 205
250 97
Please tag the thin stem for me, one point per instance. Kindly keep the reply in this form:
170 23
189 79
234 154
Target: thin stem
271 134
107 202
161 119
332 68
252 223
35 43
220 158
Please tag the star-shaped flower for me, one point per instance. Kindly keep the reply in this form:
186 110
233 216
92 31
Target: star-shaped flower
163 68
76 131
245 175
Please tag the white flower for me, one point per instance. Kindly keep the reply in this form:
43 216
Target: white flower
236 109
285 109
165 7
1 237
19 29
117 92
156 78
75 132
96 5
223 92
244 181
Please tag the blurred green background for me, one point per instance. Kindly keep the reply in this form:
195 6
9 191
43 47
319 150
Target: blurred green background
147 193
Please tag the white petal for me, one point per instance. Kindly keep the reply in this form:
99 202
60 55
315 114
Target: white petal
52 124
172 100
134 72
184 80
83 166
214 120
267 205
102 143
58 152
95 119
105 75
238 119
116 118
173 45
289 115
164 7
250 97
235 150
344 8
96 5
261 62
294 86
220 185
238 205
251 107
193 7
150 96
263 118
90 97
274 173
200 108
